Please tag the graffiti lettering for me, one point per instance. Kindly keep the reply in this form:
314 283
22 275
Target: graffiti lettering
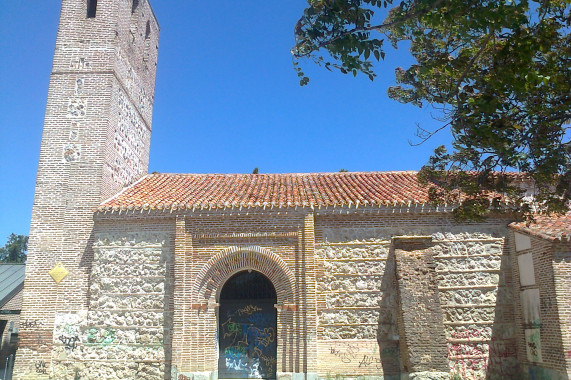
468 358
370 359
499 350
248 339
468 334
472 358
31 323
345 354
70 343
183 377
41 367
231 329
459 350
266 337
533 348
269 361
250 367
250 309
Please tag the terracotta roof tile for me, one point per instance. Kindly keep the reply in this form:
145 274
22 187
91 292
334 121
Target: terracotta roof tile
547 227
159 191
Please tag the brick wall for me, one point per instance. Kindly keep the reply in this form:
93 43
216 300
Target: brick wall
542 282
424 341
95 141
335 300
128 324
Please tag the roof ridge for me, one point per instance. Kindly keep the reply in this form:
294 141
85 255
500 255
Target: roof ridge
280 174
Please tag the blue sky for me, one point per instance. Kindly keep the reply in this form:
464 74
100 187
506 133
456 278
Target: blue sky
227 100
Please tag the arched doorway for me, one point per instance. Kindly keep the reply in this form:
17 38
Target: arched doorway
247 327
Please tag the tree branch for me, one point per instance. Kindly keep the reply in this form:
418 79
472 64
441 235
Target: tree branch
378 28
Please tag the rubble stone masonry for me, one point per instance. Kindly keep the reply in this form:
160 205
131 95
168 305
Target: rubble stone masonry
134 292
155 282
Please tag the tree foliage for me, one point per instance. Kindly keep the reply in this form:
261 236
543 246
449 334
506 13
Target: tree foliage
499 72
15 249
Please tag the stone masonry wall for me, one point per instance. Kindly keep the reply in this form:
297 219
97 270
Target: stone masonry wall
124 332
355 295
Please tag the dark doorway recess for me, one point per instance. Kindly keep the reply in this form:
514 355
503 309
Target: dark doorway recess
247 327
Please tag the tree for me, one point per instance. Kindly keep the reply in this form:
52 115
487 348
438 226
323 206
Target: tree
15 249
499 72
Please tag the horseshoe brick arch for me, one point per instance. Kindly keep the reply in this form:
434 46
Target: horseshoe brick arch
222 266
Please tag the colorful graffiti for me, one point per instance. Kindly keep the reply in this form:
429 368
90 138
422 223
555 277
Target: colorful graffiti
476 354
533 342
247 341
104 337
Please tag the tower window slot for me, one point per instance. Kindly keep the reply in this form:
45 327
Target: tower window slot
148 30
134 6
91 8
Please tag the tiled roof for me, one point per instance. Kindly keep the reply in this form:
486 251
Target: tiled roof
191 191
11 281
547 227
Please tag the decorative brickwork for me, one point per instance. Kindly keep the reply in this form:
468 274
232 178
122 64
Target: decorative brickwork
142 258
96 140
234 259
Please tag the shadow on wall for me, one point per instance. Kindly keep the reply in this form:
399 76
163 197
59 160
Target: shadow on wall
502 362
86 263
387 334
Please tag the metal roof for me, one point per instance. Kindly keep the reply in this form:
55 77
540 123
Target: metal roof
11 281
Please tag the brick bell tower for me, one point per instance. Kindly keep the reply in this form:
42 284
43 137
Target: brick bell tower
95 141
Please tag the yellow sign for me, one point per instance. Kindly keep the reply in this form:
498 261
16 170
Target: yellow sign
58 273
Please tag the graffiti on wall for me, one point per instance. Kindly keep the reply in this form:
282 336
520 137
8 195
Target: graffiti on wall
371 360
248 340
345 352
475 353
102 336
32 323
533 345
70 343
41 367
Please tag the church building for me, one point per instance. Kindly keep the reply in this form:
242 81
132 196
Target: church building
272 276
